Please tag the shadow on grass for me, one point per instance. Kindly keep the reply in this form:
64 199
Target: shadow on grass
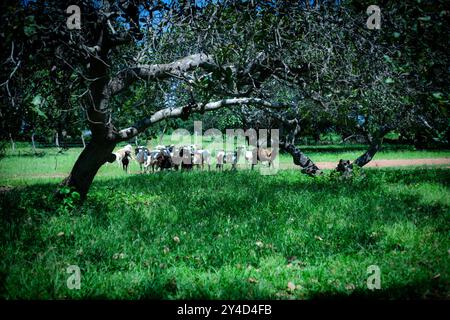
197 188
420 289
247 205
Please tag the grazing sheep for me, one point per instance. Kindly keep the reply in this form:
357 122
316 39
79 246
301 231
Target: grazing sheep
249 155
265 154
152 159
220 160
186 154
126 160
161 158
201 157
142 154
231 157
164 159
121 152
181 156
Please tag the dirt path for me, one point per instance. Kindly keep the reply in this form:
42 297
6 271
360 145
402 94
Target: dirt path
321 165
382 163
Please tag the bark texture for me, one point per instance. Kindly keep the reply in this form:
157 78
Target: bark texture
87 165
301 159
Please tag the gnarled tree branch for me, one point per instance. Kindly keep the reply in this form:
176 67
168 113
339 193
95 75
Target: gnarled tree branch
167 113
300 159
374 147
160 71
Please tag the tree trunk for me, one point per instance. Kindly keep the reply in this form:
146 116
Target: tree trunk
375 146
57 140
99 150
301 159
13 144
367 156
33 144
88 163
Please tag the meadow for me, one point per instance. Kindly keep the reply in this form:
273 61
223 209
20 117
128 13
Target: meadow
225 235
22 166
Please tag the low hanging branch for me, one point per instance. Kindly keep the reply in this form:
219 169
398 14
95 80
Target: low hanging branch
167 113
301 159
346 168
298 157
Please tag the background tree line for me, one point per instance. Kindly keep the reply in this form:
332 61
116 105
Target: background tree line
306 67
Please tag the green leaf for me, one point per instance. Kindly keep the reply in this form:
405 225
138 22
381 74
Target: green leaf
37 102
438 95
29 26
64 190
389 80
75 196
426 18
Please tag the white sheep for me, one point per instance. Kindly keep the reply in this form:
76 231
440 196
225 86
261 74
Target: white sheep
120 154
142 155
201 157
220 159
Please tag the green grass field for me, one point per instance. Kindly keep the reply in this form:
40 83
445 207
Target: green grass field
227 235
22 167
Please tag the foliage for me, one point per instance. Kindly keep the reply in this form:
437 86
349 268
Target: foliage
70 199
333 68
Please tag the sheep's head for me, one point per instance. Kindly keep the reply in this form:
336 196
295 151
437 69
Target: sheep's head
128 147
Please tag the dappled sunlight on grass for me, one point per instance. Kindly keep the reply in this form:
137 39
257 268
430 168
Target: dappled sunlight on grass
231 235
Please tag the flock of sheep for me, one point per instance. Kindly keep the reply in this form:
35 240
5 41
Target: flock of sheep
187 157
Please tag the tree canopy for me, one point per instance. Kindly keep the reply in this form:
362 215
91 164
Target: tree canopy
303 66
